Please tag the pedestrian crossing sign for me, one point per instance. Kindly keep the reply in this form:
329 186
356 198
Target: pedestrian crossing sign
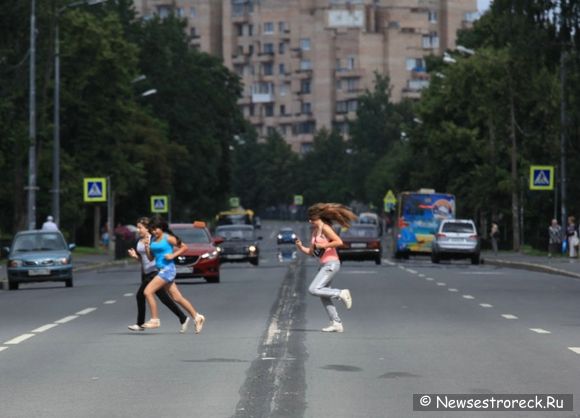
542 177
95 189
159 204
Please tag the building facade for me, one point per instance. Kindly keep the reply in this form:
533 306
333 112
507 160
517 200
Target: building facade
304 63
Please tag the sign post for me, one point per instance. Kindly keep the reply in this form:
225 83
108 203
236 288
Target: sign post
96 190
234 202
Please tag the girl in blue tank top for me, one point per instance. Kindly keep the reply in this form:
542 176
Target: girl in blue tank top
164 248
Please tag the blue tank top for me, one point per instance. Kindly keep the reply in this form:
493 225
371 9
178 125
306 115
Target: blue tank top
160 249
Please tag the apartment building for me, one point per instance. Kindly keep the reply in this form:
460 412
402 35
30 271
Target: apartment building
304 63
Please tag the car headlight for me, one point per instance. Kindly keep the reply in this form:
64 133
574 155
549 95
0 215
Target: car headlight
209 256
252 248
15 263
62 261
293 236
279 236
219 249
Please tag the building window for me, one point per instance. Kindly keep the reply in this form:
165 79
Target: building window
268 68
471 16
282 69
268 27
432 15
304 128
179 12
283 89
341 107
346 106
192 12
250 30
163 11
338 84
431 41
281 26
268 48
282 110
337 65
251 50
306 108
193 33
352 105
305 65
350 62
240 30
239 69
306 147
269 109
270 130
305 86
352 84
281 48
415 64
305 44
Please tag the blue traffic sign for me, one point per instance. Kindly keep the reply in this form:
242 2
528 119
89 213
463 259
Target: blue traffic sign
95 189
541 177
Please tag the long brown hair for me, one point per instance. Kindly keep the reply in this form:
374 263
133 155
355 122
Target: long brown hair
331 212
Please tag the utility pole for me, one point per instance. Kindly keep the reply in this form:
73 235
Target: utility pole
31 206
563 125
514 175
56 133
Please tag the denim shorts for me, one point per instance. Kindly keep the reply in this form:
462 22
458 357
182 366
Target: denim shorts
168 273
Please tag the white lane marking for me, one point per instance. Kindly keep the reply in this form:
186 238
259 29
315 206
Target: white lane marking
66 319
452 289
486 305
86 311
421 275
402 267
109 302
509 316
19 339
575 349
268 358
128 295
3 348
540 331
491 273
429 279
467 297
441 284
44 328
272 331
360 272
389 262
412 271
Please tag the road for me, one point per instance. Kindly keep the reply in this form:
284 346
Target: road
413 328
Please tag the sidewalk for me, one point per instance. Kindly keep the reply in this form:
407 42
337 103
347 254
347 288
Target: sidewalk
562 265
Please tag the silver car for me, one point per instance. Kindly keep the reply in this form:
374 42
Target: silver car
456 238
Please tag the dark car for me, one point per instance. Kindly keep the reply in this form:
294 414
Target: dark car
286 236
239 243
39 256
202 256
361 242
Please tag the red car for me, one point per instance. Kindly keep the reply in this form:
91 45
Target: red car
202 256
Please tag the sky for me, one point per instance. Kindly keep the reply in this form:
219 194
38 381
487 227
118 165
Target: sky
483 5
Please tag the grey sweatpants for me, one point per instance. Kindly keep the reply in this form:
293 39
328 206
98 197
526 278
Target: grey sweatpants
320 287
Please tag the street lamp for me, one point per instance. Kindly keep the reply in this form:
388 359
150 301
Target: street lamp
56 131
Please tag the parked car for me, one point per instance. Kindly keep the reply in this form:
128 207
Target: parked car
286 236
202 256
239 243
39 256
361 242
456 238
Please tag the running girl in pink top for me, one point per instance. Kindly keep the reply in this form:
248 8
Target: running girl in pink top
323 244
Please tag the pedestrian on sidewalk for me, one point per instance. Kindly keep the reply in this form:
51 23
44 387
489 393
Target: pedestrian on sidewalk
148 272
165 246
323 244
494 235
555 238
49 225
572 235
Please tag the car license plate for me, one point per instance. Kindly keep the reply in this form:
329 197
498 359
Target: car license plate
181 269
235 256
39 272
358 245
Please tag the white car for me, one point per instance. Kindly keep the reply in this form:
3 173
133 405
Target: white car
456 238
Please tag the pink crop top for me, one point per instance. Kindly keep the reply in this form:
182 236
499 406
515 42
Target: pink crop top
330 254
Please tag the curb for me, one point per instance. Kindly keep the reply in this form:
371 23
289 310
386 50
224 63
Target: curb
532 267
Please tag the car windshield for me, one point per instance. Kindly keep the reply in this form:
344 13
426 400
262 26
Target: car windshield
360 232
192 235
458 227
235 233
38 242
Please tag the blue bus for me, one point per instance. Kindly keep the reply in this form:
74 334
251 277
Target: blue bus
418 217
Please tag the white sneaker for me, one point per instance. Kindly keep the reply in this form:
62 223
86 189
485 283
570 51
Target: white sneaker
199 320
136 327
346 298
334 327
152 323
185 325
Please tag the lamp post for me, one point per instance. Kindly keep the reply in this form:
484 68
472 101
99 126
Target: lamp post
56 131
31 205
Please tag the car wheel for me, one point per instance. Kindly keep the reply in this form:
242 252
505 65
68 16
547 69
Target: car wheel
13 285
213 279
475 259
378 260
69 282
255 262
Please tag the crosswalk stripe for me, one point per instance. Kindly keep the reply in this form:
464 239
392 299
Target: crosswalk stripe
575 349
486 305
468 297
509 316
540 331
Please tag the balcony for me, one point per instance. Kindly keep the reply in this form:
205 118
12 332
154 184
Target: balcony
240 59
349 72
262 97
265 57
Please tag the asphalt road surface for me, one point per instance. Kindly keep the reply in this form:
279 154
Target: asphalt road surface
414 328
